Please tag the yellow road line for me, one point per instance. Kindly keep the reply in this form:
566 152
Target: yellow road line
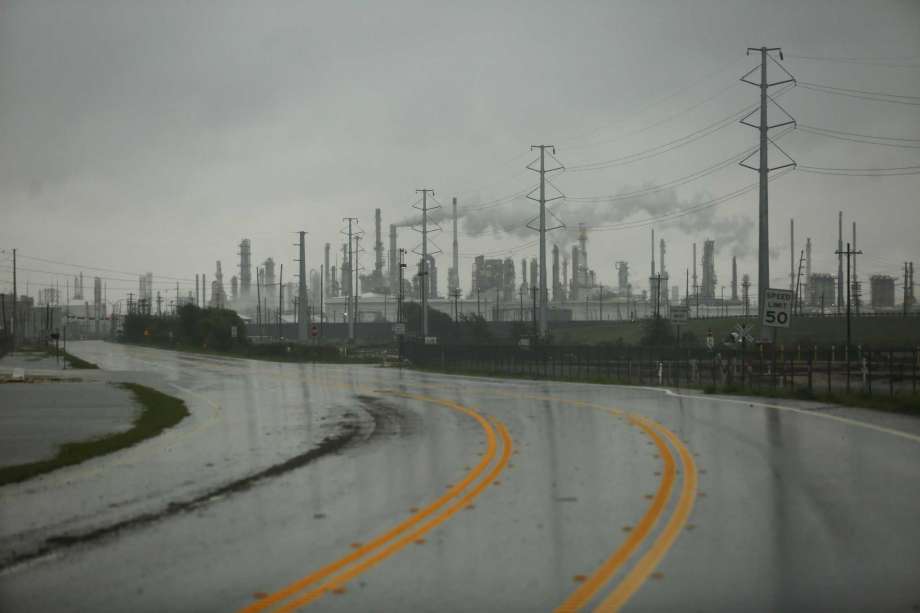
644 567
400 528
340 580
580 597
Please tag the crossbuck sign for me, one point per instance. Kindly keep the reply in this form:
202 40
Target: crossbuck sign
777 308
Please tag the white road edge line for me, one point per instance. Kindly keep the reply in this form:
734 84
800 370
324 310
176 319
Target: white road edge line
780 407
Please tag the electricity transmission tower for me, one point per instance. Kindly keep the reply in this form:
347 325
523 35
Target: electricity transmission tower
542 229
763 168
423 267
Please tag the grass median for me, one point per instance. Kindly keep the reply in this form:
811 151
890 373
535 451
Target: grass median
159 411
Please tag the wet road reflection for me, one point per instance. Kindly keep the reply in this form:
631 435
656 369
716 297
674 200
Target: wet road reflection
793 512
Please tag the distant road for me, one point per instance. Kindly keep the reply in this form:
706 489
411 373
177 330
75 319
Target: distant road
357 488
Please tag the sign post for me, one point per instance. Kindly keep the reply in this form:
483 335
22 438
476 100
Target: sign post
680 314
777 308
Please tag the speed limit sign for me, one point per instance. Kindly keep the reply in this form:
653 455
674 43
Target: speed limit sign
777 308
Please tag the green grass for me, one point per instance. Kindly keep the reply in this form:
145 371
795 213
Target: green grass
159 411
877 332
40 352
907 404
76 362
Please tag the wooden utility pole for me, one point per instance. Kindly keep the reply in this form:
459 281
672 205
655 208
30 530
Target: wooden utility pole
848 253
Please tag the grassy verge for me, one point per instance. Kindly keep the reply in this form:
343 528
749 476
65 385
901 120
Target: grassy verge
78 363
39 352
906 404
158 412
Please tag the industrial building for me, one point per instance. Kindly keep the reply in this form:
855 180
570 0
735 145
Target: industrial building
882 291
821 288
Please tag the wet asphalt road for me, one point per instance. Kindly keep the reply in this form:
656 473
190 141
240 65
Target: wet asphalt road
369 489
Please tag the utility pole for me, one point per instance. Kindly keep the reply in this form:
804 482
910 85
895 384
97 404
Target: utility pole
792 276
423 266
839 261
796 300
355 270
322 300
849 253
402 266
259 298
280 297
303 324
763 169
351 320
855 276
908 301
16 300
542 229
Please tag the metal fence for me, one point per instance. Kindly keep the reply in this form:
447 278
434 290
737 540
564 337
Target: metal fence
814 370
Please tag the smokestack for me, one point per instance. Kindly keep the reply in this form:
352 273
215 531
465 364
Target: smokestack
840 287
808 257
661 263
378 246
524 272
653 252
245 268
565 274
734 279
454 276
326 276
910 281
695 286
574 294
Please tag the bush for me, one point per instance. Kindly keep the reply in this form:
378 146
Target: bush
204 328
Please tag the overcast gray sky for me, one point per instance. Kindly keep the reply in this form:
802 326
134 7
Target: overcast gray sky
153 136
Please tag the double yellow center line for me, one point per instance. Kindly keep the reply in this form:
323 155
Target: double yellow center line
334 576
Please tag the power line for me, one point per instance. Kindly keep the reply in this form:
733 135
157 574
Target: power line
891 62
663 148
671 145
656 123
674 94
121 272
862 172
684 212
862 94
903 143
730 161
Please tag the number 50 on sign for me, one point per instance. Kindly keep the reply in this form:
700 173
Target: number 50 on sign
777 308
